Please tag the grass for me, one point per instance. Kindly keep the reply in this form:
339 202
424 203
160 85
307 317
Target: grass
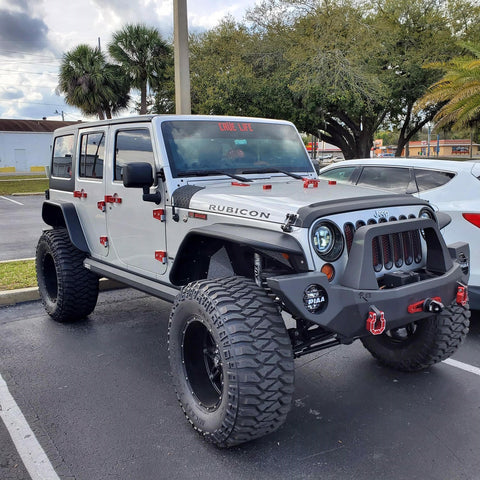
19 274
9 185
21 177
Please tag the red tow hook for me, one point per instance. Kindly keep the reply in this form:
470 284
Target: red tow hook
431 305
376 321
462 294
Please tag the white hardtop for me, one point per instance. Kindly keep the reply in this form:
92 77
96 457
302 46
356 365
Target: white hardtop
160 118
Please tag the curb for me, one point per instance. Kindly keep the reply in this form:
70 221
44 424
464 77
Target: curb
21 295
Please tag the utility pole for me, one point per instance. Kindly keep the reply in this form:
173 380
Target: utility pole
181 55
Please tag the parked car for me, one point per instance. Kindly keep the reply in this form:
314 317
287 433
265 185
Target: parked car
450 186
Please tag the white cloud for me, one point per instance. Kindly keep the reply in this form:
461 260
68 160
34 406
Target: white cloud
30 53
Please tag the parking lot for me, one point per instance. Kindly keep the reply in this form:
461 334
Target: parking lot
21 220
98 398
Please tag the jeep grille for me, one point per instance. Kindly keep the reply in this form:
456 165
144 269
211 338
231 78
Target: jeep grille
389 250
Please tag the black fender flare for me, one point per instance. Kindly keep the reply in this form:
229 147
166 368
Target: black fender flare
65 215
242 235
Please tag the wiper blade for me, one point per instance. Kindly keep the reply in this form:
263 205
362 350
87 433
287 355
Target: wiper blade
206 173
273 170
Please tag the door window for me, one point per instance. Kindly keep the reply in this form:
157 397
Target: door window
340 174
396 179
132 146
92 153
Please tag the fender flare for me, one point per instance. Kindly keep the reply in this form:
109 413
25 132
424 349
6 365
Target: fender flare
65 215
242 235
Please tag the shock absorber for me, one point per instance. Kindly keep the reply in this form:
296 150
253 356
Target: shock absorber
257 269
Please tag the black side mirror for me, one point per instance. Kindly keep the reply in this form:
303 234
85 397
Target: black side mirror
140 175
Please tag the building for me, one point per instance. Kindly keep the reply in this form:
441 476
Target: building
25 145
444 148
323 150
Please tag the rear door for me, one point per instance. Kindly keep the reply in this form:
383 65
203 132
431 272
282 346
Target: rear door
90 187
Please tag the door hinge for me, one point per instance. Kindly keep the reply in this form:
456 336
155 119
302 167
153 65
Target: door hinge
159 214
80 193
161 256
113 198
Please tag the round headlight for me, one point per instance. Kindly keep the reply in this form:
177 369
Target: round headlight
426 213
327 241
323 239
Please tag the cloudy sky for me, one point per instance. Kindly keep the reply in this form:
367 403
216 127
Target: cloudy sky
35 33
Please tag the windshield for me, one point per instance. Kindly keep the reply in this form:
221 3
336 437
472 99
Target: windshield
195 147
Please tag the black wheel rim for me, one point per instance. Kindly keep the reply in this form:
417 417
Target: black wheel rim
203 364
50 277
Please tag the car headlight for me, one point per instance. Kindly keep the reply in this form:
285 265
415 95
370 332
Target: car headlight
427 213
327 241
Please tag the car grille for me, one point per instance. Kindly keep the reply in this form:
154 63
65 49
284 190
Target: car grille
389 251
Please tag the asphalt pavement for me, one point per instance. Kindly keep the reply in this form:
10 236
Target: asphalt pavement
21 225
98 397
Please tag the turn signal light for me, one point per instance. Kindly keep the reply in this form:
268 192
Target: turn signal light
473 218
329 271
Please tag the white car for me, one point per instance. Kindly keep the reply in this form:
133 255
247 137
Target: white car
450 186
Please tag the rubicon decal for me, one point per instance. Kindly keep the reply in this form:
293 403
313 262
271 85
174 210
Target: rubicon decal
239 211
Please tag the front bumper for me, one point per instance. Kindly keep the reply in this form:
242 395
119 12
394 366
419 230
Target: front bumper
347 305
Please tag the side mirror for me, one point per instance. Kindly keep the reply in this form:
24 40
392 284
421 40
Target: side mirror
443 219
140 175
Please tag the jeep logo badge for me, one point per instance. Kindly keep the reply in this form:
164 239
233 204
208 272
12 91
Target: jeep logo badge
381 214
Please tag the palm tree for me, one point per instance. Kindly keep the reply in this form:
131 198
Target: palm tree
143 56
91 84
458 90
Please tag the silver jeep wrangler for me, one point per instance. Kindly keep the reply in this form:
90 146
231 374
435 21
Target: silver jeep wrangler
226 218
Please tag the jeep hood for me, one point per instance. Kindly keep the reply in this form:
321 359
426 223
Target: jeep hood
272 199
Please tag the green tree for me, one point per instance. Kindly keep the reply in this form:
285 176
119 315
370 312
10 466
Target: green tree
336 94
338 69
91 84
458 91
411 34
143 56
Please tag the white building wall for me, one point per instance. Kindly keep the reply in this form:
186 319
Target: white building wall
23 150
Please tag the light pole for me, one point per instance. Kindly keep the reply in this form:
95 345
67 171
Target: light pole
182 63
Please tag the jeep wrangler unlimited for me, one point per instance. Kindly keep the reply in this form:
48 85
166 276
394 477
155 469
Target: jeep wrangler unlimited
263 262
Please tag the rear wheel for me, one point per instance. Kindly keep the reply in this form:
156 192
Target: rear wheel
231 360
68 290
421 344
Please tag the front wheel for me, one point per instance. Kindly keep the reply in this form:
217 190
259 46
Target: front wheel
421 344
231 360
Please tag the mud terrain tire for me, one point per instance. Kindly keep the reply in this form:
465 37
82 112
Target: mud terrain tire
231 360
421 344
68 290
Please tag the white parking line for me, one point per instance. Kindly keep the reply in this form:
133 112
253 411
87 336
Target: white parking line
34 458
10 200
462 366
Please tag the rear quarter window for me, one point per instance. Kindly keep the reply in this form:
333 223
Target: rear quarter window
62 156
428 179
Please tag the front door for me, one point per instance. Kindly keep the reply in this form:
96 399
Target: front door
136 229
